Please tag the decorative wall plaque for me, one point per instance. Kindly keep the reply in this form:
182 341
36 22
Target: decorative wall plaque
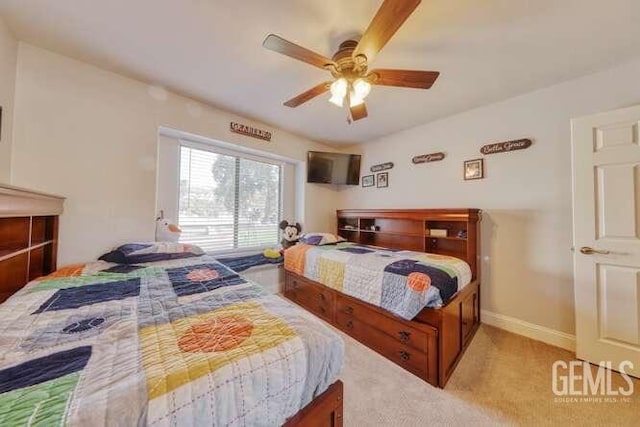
426 158
250 131
503 147
381 167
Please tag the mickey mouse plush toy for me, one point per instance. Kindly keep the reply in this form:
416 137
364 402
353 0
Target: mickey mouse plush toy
290 234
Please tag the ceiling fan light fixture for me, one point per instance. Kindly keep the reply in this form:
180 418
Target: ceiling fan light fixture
337 100
338 91
339 87
355 100
361 88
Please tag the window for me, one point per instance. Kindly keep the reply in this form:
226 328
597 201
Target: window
227 202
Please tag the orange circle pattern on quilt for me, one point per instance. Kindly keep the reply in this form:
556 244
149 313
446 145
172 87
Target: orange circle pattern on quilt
203 274
217 334
418 281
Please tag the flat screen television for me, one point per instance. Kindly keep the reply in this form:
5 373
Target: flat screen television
333 168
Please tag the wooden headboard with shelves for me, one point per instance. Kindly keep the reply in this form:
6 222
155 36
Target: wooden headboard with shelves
413 229
28 237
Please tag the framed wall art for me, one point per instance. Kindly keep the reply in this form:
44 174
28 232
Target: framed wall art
368 180
383 180
473 169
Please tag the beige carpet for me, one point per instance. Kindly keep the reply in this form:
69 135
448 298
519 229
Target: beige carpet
502 379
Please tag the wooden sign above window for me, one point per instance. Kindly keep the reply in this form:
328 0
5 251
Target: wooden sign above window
503 147
250 131
426 158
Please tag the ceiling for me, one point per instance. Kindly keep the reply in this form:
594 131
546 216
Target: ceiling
211 50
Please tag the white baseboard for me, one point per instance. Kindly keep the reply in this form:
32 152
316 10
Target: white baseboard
529 330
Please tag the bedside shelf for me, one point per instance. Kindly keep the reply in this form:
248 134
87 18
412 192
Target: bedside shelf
407 230
28 237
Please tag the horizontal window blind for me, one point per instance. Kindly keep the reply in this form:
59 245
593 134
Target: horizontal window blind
228 202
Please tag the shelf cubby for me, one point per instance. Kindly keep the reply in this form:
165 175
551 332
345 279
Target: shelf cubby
27 251
28 236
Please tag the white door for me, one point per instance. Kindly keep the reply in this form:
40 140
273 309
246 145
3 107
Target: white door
606 217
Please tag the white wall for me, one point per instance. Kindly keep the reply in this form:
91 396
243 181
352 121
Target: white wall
8 58
92 136
526 196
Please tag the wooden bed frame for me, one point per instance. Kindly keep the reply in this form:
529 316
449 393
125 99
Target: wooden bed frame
28 250
431 345
324 410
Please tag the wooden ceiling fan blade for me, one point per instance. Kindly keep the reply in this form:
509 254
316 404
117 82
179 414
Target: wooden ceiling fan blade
310 94
285 47
384 25
404 78
358 112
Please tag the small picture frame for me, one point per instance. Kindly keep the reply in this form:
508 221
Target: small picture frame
382 180
473 169
368 180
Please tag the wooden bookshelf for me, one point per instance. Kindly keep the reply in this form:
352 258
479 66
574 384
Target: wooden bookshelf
28 237
410 230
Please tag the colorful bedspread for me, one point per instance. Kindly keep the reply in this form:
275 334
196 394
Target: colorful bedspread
402 282
182 342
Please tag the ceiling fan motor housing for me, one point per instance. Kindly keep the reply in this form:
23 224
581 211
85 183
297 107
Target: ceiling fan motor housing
347 66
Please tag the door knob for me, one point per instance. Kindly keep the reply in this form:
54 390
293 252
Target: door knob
590 251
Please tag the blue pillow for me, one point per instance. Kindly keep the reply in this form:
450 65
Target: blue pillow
133 253
320 239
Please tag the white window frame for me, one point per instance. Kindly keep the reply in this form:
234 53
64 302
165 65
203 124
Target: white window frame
240 154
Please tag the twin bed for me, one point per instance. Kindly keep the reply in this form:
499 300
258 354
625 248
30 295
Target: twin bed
186 340
153 341
405 291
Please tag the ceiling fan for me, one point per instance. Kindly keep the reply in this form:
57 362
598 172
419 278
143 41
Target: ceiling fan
352 79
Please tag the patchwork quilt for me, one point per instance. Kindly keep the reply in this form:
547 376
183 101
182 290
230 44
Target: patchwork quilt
180 342
402 282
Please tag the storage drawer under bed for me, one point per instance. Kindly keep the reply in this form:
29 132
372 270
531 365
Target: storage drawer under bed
408 357
412 345
317 299
392 327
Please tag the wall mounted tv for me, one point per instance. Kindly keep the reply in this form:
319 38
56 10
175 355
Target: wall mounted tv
333 168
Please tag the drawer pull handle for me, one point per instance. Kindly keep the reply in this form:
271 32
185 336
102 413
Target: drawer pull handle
322 310
350 324
349 310
404 355
405 337
322 297
295 284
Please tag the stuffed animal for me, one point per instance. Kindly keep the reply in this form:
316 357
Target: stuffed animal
290 234
167 231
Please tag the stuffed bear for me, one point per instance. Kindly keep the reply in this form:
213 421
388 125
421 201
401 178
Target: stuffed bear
290 234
